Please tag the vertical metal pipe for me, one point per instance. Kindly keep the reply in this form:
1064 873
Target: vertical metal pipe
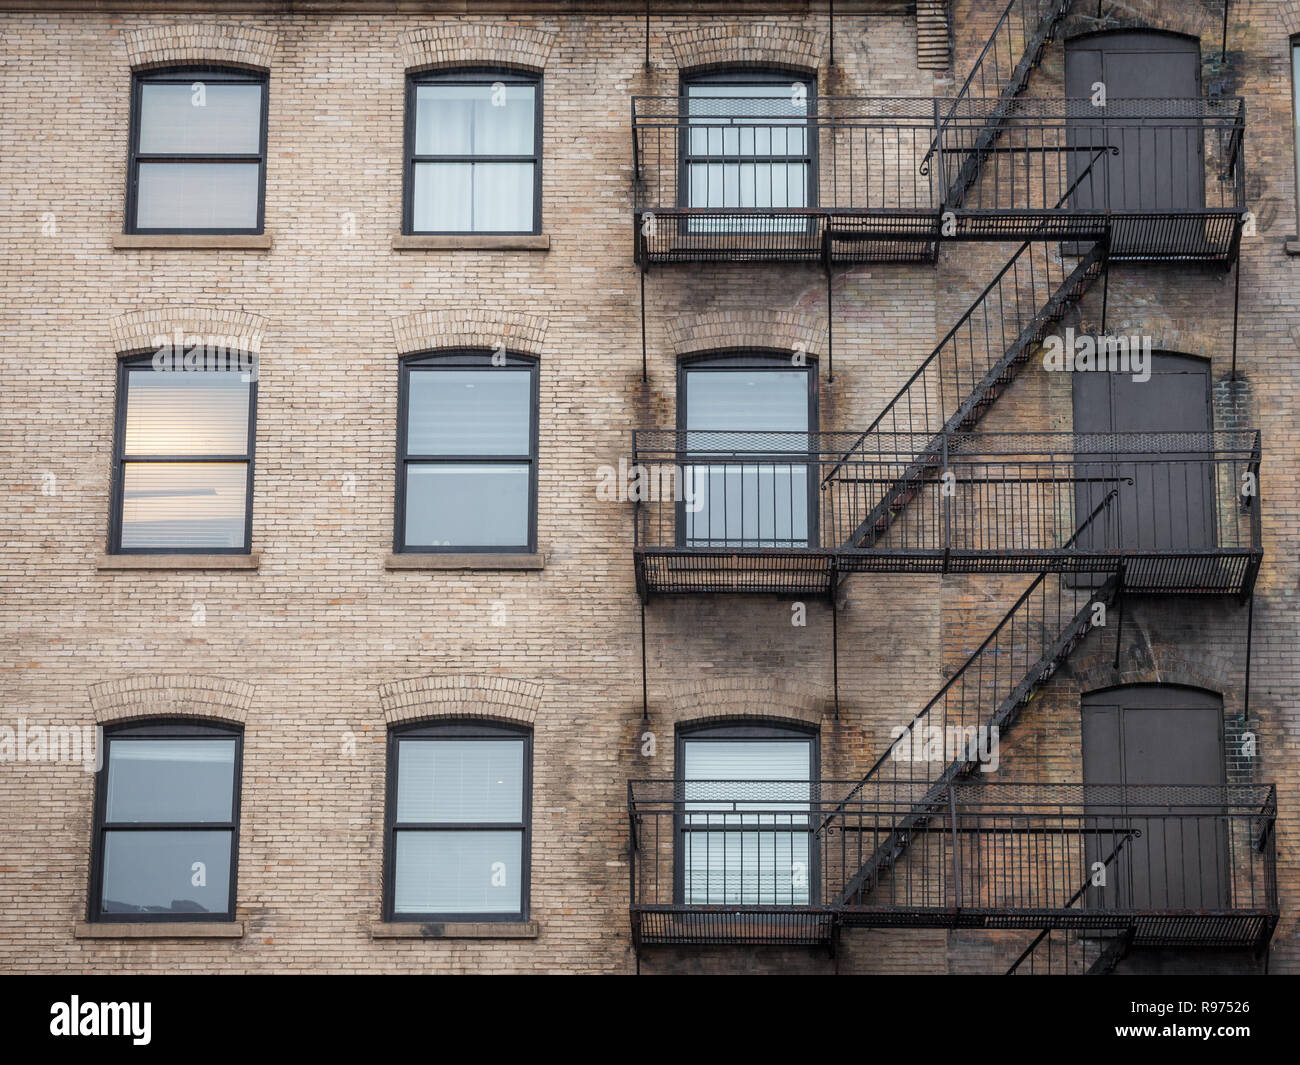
645 700
1250 634
830 319
835 640
1236 304
832 26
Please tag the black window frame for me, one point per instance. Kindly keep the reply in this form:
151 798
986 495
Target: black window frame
183 74
469 76
463 728
163 728
743 360
746 730
747 76
134 364
460 359
1293 55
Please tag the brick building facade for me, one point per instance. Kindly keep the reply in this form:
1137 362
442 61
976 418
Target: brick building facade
324 639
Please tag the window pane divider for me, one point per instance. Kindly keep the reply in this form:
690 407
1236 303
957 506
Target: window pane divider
206 158
169 826
185 458
520 459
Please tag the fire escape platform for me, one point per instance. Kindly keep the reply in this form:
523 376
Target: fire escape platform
764 571
846 180
712 926
793 862
790 513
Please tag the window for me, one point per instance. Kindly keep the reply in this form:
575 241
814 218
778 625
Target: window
166 823
473 153
457 833
198 152
1295 117
467 469
183 458
746 833
748 405
748 144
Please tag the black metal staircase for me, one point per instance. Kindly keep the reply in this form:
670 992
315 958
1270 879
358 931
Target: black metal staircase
1001 72
1073 952
974 364
1046 623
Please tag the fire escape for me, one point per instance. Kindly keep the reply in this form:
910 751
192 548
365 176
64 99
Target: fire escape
1088 872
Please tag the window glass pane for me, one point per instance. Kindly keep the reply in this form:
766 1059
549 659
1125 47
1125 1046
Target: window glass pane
766 859
747 120
218 119
1295 89
170 780
474 505
755 868
473 197
442 201
166 872
748 400
186 412
747 759
749 185
747 504
470 412
474 119
460 780
458 872
183 504
197 196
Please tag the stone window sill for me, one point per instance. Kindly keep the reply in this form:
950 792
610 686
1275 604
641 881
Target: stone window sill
118 563
1291 245
466 562
460 930
159 930
472 242
192 241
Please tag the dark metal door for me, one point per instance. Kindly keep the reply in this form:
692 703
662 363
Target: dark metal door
1165 502
1159 168
1154 735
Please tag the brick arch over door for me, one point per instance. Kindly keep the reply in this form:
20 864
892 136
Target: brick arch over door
1200 20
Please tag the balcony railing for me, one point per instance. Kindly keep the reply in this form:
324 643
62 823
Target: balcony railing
745 861
787 512
860 179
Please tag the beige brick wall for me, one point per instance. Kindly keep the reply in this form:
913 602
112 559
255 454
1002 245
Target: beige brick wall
320 648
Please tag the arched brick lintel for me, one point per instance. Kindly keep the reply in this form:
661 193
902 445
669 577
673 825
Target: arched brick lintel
716 45
460 695
472 44
166 695
137 331
720 699
718 330
200 44
470 328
